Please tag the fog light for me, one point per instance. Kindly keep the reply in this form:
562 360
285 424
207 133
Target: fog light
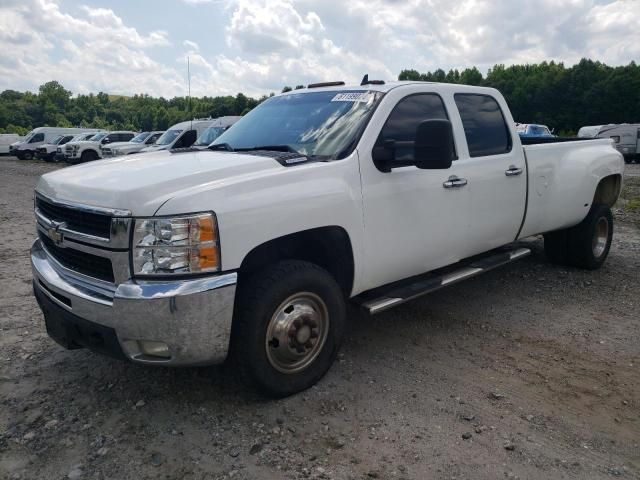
154 349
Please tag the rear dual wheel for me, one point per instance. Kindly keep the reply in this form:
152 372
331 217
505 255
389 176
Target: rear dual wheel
288 326
587 244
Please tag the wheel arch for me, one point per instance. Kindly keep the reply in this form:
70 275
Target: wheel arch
328 247
608 190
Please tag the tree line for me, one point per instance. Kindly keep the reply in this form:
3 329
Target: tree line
54 105
564 98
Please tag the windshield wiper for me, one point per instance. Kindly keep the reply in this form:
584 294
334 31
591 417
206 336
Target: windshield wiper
221 146
274 148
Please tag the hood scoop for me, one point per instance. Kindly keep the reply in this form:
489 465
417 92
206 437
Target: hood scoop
286 159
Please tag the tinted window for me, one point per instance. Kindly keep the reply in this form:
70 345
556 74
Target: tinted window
615 138
404 120
484 125
125 137
186 140
65 139
152 139
38 137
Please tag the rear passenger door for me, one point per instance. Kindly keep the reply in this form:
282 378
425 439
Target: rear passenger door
495 172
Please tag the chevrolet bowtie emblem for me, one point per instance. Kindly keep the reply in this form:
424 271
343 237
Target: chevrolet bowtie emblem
54 233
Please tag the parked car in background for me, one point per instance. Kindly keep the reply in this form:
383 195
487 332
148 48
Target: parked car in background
47 151
626 139
180 135
88 150
589 131
214 131
251 247
137 143
6 141
58 156
26 149
533 130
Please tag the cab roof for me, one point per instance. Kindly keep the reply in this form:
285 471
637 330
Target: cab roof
387 86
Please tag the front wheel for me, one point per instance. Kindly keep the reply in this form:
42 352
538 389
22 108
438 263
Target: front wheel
88 156
288 326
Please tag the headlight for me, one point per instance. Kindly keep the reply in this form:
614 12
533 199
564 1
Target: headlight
177 245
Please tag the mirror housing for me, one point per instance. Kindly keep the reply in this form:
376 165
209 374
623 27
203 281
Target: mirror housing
105 140
433 148
384 155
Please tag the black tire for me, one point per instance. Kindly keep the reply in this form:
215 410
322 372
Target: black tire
587 244
585 250
264 297
88 156
27 155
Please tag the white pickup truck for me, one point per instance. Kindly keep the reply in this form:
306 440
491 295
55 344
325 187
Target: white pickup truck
374 194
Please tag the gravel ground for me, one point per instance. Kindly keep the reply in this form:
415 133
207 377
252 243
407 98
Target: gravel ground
530 371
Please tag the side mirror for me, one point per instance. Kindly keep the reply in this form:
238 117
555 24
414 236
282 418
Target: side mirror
384 155
433 148
106 140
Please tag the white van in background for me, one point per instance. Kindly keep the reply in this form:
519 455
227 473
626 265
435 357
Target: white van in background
6 140
26 149
180 135
216 129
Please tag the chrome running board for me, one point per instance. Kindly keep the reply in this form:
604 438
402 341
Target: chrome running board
383 298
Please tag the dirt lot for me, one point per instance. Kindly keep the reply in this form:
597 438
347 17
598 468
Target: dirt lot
531 371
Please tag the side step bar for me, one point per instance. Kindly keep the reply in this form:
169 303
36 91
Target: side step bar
383 298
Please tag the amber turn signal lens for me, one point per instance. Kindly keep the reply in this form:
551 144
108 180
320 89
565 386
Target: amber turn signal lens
207 230
209 258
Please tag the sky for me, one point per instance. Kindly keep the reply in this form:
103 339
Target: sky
258 46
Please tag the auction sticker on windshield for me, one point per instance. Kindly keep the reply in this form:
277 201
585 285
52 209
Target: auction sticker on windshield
352 97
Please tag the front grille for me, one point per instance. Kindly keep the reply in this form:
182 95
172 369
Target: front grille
81 262
95 224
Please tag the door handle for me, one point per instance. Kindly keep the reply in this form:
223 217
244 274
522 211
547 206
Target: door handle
455 182
512 171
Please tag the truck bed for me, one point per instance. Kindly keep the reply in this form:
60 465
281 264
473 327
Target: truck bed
562 176
538 140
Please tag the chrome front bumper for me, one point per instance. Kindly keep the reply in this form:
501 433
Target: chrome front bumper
192 317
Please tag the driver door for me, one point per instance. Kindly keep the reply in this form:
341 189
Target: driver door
413 222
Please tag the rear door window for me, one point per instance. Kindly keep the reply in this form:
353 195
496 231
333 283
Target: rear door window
484 125
38 137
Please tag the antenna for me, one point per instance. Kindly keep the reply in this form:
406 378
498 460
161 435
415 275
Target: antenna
189 92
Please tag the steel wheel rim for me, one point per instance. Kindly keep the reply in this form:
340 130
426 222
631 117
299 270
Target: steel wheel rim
297 332
600 237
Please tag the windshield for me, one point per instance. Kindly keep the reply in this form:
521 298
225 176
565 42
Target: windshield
320 124
141 137
168 137
28 136
98 136
56 141
208 136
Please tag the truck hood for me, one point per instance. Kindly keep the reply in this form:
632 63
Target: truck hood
142 183
156 148
83 143
117 144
